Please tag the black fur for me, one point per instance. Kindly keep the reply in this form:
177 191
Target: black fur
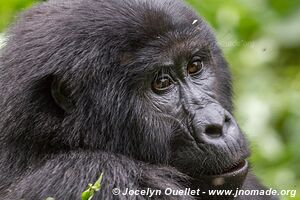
76 100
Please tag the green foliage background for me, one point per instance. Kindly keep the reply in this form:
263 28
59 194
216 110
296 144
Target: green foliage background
261 41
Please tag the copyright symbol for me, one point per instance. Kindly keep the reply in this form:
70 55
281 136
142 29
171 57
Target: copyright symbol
116 191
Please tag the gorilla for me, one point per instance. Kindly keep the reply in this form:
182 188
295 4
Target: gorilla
135 89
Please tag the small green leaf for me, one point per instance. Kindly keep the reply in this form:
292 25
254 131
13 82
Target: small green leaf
90 191
97 184
87 195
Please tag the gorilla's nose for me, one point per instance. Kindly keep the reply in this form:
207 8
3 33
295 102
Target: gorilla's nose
212 121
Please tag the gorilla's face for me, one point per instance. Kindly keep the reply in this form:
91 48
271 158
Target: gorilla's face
184 91
189 90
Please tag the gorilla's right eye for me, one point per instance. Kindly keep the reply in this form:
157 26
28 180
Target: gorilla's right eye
162 83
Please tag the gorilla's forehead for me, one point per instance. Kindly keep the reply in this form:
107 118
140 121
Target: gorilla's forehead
156 28
139 22
131 23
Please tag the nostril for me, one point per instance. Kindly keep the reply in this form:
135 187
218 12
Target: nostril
227 119
213 131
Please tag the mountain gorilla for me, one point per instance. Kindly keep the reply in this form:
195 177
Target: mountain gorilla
136 89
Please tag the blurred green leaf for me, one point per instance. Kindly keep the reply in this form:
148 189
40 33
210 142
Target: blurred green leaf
90 191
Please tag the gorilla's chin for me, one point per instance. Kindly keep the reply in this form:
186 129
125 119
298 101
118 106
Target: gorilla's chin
231 179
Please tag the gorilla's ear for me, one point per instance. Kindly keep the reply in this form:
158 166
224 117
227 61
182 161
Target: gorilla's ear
61 96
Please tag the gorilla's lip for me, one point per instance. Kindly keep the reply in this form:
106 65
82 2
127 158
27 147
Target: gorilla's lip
240 168
228 179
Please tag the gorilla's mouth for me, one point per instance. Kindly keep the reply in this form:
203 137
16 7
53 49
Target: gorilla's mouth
230 178
241 167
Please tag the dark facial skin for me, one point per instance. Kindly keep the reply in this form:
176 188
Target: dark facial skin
205 139
184 90
136 89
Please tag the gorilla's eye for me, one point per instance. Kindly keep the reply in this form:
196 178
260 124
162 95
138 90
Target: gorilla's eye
195 67
162 83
